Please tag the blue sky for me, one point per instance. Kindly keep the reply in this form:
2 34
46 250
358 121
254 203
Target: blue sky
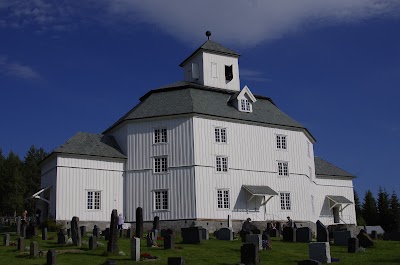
334 66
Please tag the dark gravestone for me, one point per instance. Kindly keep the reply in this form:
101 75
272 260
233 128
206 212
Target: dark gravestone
176 261
75 232
204 233
129 233
256 231
51 257
169 231
30 231
309 262
111 262
112 245
364 240
92 242
44 233
23 229
243 234
156 223
322 232
107 234
225 233
163 232
169 241
289 234
6 240
273 233
150 239
21 244
120 232
249 254
96 231
256 239
139 222
341 238
62 237
374 234
18 225
34 249
352 245
191 235
83 231
303 234
69 232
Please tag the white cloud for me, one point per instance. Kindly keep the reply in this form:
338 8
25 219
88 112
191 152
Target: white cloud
17 70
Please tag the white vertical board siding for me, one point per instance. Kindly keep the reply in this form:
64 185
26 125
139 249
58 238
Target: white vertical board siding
188 70
181 193
142 150
220 81
49 178
252 160
76 176
120 136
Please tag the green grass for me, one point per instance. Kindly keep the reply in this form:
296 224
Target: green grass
210 252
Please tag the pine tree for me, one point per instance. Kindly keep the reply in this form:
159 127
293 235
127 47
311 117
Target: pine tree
14 187
394 213
369 210
2 181
359 217
383 209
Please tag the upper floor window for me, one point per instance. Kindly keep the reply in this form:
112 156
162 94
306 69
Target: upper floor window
245 105
285 201
223 199
214 73
281 142
161 200
222 164
160 164
160 135
220 135
93 200
308 149
283 168
228 72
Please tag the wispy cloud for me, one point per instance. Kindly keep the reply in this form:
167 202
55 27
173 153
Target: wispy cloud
17 70
252 75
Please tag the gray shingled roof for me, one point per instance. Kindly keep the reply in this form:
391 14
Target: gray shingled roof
190 98
92 145
326 169
212 47
260 190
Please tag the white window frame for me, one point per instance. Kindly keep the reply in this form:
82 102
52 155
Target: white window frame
285 201
281 142
93 200
220 135
160 164
221 164
160 135
214 70
283 168
161 200
245 105
308 149
223 199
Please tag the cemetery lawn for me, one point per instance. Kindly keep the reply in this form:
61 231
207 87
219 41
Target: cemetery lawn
212 251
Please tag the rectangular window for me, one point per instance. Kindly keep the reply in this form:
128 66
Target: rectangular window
223 199
160 164
245 105
283 169
93 200
161 200
214 70
285 201
220 135
308 149
222 164
160 135
281 142
228 72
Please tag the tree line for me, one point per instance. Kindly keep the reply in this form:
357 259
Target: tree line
19 179
385 211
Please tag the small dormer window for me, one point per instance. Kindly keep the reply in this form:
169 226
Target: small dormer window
245 105
228 72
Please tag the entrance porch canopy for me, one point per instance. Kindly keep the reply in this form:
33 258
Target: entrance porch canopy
336 200
261 191
37 194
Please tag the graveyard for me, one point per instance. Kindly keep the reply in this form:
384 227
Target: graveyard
79 245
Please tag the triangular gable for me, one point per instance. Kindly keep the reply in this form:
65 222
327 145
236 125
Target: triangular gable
245 91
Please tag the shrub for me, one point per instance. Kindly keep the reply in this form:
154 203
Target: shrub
51 225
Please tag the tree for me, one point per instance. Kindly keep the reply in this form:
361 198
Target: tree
359 217
2 180
369 210
13 184
383 209
394 213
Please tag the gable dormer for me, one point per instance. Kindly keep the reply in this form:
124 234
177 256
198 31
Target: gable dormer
243 100
213 65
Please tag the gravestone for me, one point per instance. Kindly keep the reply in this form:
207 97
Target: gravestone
225 233
83 231
44 233
229 221
341 238
129 233
204 233
112 245
75 232
92 242
96 231
34 249
320 251
163 232
107 234
352 245
191 235
120 232
322 232
274 233
309 262
6 240
243 234
135 249
139 222
156 223
169 241
289 234
30 231
151 239
249 254
51 257
255 239
364 239
395 236
255 230
21 244
23 230
303 234
18 225
62 237
111 262
69 232
374 235
176 261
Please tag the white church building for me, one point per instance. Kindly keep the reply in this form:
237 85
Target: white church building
198 150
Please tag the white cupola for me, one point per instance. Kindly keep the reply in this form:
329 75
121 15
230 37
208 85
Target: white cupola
213 65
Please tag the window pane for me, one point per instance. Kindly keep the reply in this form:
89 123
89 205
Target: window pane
217 136
223 135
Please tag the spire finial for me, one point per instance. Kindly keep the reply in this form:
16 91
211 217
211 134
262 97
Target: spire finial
208 34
